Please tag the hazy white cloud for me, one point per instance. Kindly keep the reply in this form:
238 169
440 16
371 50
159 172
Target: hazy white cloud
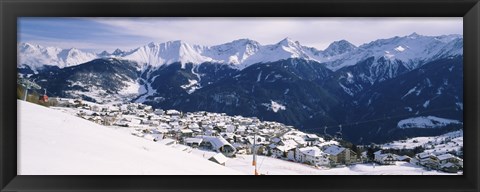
314 32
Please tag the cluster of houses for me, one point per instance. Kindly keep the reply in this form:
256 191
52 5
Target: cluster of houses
231 135
445 161
228 135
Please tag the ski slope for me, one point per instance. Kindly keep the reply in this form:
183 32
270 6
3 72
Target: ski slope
55 143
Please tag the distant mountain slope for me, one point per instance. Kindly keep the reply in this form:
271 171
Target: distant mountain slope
93 80
411 76
35 57
413 51
55 143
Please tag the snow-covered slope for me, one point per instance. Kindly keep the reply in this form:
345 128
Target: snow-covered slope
36 56
425 122
448 142
54 143
157 54
413 50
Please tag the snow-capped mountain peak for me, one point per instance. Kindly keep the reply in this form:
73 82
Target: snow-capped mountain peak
288 42
118 52
412 50
413 35
37 56
235 52
157 54
339 47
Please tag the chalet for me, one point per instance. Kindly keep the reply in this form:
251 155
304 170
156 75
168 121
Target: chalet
134 122
428 160
312 156
311 137
450 167
339 155
159 112
230 128
384 159
286 150
153 137
193 142
148 109
122 123
167 141
403 158
173 113
219 158
221 145
240 130
186 132
449 158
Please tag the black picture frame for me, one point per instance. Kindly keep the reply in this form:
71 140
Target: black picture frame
10 10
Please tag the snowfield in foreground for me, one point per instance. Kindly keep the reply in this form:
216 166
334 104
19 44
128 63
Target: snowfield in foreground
54 143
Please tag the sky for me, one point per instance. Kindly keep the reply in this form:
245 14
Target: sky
98 34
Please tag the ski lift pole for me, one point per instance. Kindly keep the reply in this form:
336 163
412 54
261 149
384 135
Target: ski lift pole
254 162
25 92
28 85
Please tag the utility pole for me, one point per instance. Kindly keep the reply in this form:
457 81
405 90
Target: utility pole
254 162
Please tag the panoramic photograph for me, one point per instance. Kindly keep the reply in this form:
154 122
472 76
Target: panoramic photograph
239 96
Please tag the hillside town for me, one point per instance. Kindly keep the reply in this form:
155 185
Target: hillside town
229 136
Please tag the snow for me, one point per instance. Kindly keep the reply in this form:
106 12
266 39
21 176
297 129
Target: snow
36 56
431 143
399 49
425 122
55 143
191 87
259 76
421 49
158 54
274 106
427 102
244 52
346 89
131 88
334 150
273 166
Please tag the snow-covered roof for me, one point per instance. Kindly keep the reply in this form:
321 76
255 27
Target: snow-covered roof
193 140
217 142
445 156
285 148
311 151
424 155
333 150
167 141
448 165
186 131
312 136
276 140
403 157
219 157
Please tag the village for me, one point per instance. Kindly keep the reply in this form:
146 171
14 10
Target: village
230 136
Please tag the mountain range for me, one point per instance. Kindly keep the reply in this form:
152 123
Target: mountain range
318 90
